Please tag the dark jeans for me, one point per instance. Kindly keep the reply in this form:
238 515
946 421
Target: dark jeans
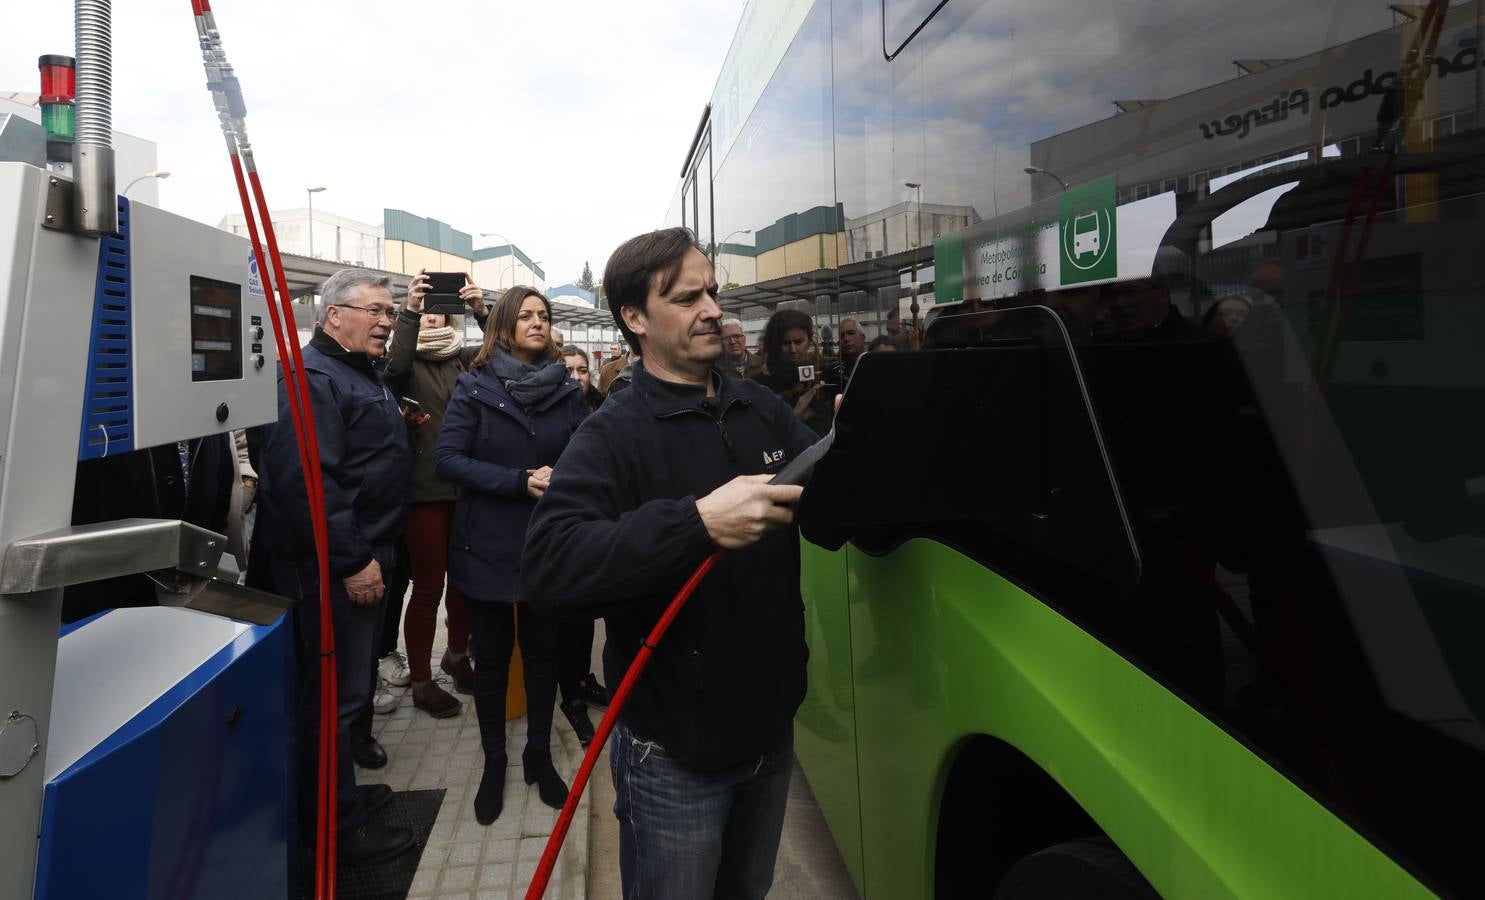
574 655
396 581
685 834
395 578
494 629
355 666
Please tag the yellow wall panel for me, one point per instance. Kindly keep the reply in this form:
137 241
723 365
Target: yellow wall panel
416 256
448 262
490 274
771 264
392 251
802 255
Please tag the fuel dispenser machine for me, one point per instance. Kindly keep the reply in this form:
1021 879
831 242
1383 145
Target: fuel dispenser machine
143 752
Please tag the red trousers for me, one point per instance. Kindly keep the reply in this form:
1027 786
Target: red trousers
428 548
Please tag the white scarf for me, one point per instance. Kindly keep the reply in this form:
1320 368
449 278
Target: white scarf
439 343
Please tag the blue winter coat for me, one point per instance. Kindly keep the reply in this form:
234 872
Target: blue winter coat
364 459
487 443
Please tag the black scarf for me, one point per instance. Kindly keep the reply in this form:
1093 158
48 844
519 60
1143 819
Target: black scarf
528 385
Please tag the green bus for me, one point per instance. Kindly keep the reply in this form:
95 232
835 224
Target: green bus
1157 566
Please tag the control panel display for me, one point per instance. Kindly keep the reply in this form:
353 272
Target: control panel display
216 329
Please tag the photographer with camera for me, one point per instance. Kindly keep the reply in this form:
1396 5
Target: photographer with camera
425 359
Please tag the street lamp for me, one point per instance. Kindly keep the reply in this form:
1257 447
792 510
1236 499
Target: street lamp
310 192
731 233
914 308
1038 170
158 173
510 246
716 251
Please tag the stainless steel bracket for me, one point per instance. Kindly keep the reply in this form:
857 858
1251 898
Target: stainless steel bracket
234 601
59 214
83 553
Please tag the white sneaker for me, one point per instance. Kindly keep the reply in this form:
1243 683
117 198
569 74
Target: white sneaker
393 669
385 699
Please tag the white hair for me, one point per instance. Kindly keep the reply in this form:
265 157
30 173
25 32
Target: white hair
340 288
731 320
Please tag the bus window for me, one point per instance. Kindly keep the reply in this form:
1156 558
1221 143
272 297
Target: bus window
1041 507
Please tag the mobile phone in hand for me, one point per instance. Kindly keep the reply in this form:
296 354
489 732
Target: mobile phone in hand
413 412
443 292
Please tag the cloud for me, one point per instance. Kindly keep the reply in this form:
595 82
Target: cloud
561 124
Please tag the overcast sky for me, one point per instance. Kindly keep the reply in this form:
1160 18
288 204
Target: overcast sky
560 123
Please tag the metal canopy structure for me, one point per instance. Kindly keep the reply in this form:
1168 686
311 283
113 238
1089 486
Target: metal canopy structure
580 315
305 275
870 276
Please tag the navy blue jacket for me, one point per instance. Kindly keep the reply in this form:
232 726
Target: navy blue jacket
363 456
618 532
487 443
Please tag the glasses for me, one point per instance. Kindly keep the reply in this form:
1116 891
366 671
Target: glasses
376 312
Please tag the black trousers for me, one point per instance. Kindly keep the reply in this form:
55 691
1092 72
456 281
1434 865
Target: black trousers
355 671
395 580
574 654
494 629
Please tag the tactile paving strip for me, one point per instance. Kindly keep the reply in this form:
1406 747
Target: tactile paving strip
390 880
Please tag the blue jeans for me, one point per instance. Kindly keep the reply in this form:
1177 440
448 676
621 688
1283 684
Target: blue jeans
685 835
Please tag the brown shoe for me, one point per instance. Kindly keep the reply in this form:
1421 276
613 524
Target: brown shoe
435 701
462 672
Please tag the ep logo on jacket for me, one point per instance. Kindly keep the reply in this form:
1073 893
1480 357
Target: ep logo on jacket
776 456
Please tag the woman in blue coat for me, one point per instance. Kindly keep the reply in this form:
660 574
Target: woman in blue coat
508 420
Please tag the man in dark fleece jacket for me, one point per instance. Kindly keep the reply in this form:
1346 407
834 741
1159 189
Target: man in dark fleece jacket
364 459
660 477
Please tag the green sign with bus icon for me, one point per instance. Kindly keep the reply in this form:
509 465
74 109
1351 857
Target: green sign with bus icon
1087 235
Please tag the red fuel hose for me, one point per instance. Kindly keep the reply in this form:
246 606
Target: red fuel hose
326 810
231 112
302 416
595 747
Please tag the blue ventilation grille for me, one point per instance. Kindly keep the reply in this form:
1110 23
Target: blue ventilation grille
108 397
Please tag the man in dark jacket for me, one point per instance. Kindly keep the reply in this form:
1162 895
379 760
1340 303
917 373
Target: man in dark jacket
737 362
655 481
852 345
363 456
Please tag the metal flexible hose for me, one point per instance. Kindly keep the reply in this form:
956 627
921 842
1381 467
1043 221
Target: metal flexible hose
94 200
95 72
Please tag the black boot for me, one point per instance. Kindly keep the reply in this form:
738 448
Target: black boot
372 843
576 712
373 796
490 798
593 693
367 753
541 772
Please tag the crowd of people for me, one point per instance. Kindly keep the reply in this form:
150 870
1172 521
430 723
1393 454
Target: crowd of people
524 494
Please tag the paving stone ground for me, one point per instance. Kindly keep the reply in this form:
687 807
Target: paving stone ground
464 860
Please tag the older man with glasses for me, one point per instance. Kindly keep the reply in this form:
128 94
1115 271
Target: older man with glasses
363 455
736 361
